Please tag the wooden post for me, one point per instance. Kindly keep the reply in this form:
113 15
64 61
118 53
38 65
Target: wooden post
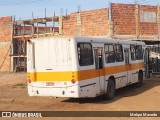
37 29
60 24
53 25
32 30
11 47
23 29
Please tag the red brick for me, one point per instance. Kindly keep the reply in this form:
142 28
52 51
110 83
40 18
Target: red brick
93 23
5 28
124 19
5 60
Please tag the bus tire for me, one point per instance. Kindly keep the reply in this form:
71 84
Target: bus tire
140 79
110 90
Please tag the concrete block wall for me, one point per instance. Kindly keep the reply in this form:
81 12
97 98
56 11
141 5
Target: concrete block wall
93 23
5 41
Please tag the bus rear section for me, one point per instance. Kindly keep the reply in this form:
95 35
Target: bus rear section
51 67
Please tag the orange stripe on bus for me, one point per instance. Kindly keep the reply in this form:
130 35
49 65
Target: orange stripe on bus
82 75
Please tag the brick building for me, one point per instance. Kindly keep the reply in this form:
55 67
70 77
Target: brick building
127 21
138 21
5 42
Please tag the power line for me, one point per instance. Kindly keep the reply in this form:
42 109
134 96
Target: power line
148 1
22 2
144 1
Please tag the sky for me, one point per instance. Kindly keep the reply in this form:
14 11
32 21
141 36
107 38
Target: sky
22 9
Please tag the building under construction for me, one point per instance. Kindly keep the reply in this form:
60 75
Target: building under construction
120 21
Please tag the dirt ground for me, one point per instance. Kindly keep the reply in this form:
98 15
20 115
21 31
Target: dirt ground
14 97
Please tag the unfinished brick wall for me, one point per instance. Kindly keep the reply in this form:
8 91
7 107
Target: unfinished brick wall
93 23
148 28
4 56
5 41
124 20
28 30
5 28
123 17
70 25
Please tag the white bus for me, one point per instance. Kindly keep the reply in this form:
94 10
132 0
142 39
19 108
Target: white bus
80 67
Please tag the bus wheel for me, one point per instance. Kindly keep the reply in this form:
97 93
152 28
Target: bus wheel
110 90
140 80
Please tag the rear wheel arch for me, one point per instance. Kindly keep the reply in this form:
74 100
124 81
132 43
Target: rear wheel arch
111 86
112 78
141 71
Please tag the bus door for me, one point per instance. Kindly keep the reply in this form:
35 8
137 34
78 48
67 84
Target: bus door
99 65
127 65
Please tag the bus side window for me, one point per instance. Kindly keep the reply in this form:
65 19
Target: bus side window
139 52
85 54
133 52
118 53
109 53
100 58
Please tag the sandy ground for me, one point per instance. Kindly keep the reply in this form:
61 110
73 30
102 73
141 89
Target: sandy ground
14 97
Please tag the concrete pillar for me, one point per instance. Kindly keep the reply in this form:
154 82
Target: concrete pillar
137 20
60 24
79 23
110 27
158 20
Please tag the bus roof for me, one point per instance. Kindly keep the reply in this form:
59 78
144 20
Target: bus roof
93 40
107 40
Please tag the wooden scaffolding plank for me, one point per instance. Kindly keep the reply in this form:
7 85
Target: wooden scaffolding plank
38 20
